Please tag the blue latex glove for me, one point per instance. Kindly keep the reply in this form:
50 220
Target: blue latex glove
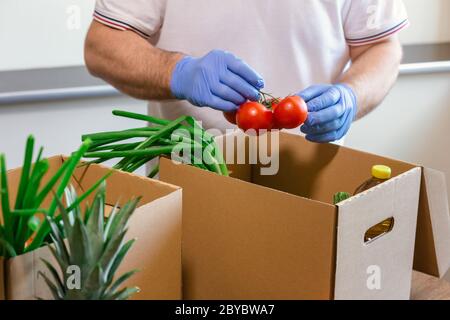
218 80
332 109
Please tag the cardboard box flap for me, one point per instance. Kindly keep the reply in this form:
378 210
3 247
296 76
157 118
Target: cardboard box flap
243 252
156 224
376 270
317 171
310 170
432 251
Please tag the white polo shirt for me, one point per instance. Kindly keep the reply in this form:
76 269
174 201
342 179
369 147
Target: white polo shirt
291 43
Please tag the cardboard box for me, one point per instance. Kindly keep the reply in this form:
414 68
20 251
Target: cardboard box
280 237
156 224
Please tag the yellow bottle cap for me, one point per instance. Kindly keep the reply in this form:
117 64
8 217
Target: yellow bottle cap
381 172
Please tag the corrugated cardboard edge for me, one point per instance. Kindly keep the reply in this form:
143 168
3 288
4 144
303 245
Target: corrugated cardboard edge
392 254
434 230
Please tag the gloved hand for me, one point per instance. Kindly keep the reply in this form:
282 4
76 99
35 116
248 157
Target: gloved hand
218 80
332 109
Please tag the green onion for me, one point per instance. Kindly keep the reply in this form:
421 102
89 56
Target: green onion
22 221
119 135
154 172
7 216
160 139
138 116
72 165
153 151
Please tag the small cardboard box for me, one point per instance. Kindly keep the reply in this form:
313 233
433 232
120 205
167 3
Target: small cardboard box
280 237
156 224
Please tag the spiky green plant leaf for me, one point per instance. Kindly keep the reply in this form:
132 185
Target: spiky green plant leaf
4 198
118 259
123 294
116 285
19 222
57 282
7 248
66 176
26 170
53 289
95 253
60 246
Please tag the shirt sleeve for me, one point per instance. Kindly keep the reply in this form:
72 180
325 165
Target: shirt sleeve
370 21
141 16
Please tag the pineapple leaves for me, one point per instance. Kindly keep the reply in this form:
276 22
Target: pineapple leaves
94 220
63 264
124 294
58 241
57 282
66 217
94 284
119 220
120 281
80 251
118 259
95 251
53 289
71 200
111 251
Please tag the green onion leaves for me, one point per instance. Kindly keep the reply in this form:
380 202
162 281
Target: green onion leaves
183 139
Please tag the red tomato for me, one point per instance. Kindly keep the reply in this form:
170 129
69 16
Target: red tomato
230 116
253 115
290 113
274 104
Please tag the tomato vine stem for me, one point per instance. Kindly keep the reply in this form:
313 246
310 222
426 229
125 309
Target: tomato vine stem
268 102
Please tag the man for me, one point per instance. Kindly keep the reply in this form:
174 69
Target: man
218 54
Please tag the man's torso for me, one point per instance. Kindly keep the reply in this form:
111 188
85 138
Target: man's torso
291 43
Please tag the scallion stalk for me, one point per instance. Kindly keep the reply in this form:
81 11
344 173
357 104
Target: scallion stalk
161 139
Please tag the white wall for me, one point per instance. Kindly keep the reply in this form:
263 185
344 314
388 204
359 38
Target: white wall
43 33
430 21
58 126
50 33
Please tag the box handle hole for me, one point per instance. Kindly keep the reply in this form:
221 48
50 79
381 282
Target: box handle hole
379 230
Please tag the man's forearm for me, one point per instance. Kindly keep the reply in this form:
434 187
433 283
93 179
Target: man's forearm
129 62
373 72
